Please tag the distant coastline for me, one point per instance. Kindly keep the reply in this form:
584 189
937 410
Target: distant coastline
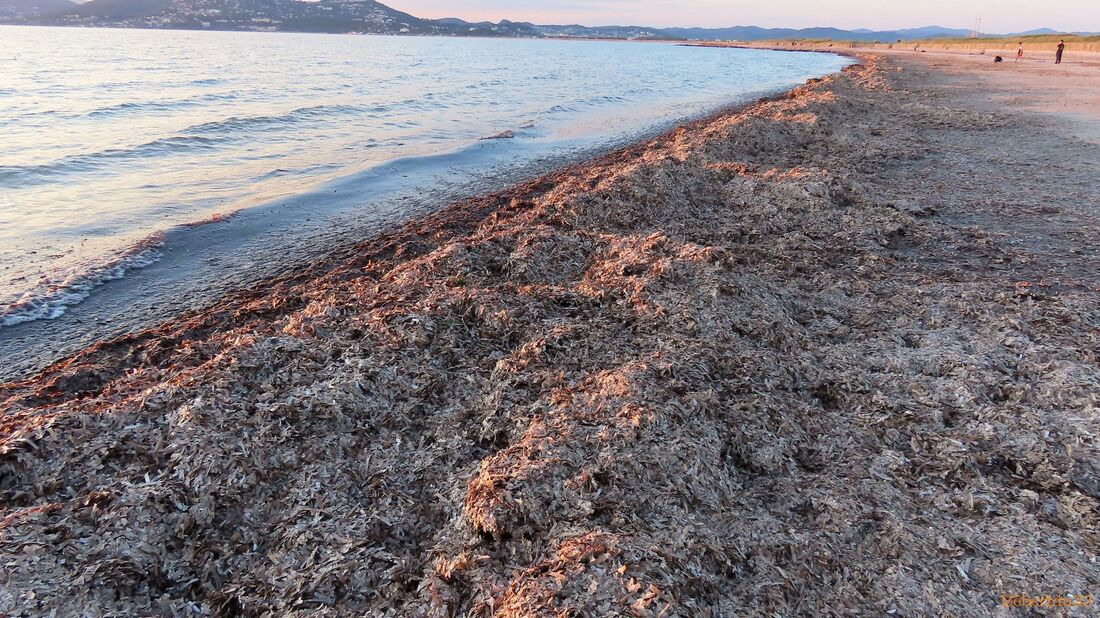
1041 43
370 17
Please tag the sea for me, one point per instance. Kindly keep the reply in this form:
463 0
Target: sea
188 162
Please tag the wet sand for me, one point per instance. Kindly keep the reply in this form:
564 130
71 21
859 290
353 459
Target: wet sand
835 353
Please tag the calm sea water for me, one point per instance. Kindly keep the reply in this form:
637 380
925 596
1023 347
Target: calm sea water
111 138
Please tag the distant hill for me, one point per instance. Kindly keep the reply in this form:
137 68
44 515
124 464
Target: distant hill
365 16
369 16
751 33
1049 31
29 8
604 32
488 28
119 9
930 32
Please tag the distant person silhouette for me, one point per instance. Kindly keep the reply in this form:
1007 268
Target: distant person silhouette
1058 54
1020 51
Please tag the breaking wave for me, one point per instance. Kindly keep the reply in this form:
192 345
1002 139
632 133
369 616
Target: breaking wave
49 301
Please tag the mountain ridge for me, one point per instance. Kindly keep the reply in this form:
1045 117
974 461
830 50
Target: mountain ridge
372 17
19 7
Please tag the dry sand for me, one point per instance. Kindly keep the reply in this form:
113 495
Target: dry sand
835 353
1034 84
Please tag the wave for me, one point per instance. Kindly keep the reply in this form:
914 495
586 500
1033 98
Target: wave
605 99
304 171
28 175
579 105
50 301
204 136
241 123
562 108
423 103
156 106
131 106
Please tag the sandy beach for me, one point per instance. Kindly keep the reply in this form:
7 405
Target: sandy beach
835 353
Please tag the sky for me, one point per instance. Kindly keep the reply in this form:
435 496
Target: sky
998 16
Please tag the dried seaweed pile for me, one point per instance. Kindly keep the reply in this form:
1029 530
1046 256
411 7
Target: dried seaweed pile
719 373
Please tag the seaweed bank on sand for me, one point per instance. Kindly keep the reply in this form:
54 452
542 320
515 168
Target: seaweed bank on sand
748 367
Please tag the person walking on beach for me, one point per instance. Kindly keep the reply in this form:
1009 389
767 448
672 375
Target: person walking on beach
1058 54
1020 51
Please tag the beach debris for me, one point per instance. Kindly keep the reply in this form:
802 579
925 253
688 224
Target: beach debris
509 134
721 372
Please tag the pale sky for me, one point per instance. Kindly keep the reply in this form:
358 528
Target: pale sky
998 16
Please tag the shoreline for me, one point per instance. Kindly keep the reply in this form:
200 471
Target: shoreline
405 229
834 349
368 201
